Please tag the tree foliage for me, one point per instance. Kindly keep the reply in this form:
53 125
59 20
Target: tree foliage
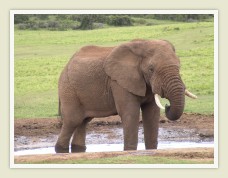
91 21
87 21
21 18
182 17
119 20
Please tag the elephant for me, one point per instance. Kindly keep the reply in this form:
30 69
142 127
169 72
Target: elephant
121 80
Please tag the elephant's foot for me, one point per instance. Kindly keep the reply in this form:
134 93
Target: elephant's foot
128 148
151 145
151 148
60 149
78 148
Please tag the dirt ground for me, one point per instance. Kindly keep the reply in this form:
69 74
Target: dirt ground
196 154
41 128
45 126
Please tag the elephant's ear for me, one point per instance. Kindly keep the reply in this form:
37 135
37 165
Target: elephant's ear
170 45
122 65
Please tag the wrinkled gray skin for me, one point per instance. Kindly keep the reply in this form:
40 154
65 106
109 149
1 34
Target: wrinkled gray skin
105 81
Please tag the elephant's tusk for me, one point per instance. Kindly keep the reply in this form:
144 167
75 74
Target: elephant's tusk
189 94
157 101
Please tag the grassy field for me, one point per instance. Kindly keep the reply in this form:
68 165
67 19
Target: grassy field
127 160
41 55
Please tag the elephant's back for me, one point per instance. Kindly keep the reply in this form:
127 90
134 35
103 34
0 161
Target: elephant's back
93 52
87 65
87 76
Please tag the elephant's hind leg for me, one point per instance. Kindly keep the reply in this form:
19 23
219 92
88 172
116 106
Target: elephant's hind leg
72 118
79 136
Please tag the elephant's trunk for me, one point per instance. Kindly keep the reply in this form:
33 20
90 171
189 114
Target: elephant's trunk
176 108
174 90
176 97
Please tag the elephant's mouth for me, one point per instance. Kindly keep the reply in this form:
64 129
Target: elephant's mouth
158 102
163 95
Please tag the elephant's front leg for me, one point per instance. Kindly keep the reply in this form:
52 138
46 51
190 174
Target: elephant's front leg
130 128
150 115
128 107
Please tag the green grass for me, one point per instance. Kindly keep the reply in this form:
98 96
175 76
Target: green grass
41 55
128 160
137 21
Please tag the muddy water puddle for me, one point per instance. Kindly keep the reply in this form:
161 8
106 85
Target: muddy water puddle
111 139
119 147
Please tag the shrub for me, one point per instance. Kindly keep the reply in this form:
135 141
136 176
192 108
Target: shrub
61 16
87 22
53 24
21 18
98 25
119 20
75 27
62 27
43 25
42 16
22 26
139 21
75 17
34 27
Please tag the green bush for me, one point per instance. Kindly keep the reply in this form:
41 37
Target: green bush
42 16
92 21
119 20
86 22
22 26
139 21
20 18
183 17
43 25
74 27
53 24
98 25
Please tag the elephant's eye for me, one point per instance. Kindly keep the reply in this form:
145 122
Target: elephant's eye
151 69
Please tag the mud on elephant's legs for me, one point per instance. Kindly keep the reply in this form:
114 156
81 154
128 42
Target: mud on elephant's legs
150 116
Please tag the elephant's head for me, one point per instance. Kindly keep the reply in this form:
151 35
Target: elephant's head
142 64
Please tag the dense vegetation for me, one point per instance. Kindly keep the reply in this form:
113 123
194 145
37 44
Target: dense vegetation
92 21
41 55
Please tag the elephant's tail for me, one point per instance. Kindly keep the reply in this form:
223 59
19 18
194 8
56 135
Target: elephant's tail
59 117
59 109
